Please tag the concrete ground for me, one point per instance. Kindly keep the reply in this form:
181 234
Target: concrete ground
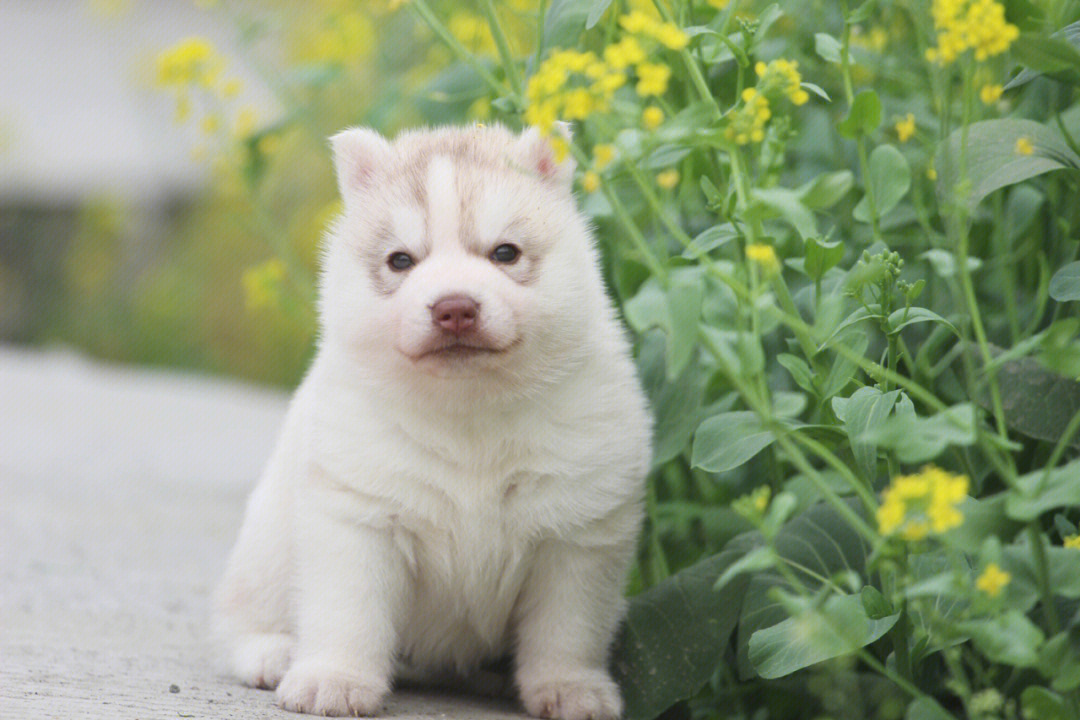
120 495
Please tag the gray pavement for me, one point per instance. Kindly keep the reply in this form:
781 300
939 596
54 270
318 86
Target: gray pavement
120 494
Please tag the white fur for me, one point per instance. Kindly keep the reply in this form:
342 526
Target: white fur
426 511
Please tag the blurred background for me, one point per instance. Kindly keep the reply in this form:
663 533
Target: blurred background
164 171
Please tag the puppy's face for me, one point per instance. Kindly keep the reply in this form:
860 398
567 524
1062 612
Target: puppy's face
460 254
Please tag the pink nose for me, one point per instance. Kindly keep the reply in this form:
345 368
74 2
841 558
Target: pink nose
455 314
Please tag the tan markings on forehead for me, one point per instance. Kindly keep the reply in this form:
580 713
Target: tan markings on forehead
443 203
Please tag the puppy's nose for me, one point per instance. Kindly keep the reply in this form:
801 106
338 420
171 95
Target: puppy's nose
456 313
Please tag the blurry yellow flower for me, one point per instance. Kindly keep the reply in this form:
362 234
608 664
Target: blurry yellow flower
905 128
672 37
754 504
590 182
342 38
269 144
624 53
877 39
667 179
992 580
472 31
915 505
963 25
192 61
764 256
652 117
560 147
719 4
262 283
1072 541
781 75
990 93
209 124
1024 146
652 78
244 124
578 103
747 123
603 155
931 174
232 87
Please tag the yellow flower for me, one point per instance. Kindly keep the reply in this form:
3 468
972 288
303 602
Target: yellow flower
624 53
931 174
719 4
472 31
747 123
753 505
992 580
262 283
341 38
781 75
192 61
652 117
209 124
1072 541
590 182
560 148
671 37
905 128
244 124
977 25
764 256
990 93
231 87
603 155
668 179
915 505
1024 146
652 78
578 103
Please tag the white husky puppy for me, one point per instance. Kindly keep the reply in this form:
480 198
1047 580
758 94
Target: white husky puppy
461 473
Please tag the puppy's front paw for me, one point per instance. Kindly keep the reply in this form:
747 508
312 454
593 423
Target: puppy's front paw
260 660
586 695
324 689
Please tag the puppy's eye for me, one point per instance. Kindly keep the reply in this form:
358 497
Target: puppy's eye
506 253
400 261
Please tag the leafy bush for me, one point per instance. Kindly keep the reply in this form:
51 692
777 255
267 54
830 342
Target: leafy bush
845 240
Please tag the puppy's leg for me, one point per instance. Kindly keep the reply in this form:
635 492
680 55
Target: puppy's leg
351 582
567 615
251 605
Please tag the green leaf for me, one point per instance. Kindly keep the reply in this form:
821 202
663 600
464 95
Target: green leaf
900 319
993 161
710 239
1039 491
926 708
596 12
866 410
800 371
684 308
826 189
821 256
665 156
875 604
759 558
827 47
838 628
1069 33
676 404
1044 54
1065 285
1008 638
728 440
864 116
564 23
1037 401
817 544
785 203
1042 704
944 262
675 634
917 440
890 178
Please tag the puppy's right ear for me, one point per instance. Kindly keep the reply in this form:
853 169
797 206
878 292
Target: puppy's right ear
359 153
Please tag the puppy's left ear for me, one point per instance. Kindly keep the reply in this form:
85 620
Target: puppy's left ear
359 156
548 156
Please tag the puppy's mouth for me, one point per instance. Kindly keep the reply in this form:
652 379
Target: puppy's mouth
461 349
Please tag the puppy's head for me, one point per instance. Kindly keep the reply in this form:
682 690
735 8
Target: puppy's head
460 256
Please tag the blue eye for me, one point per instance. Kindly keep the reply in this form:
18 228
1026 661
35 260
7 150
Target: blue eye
400 261
506 253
